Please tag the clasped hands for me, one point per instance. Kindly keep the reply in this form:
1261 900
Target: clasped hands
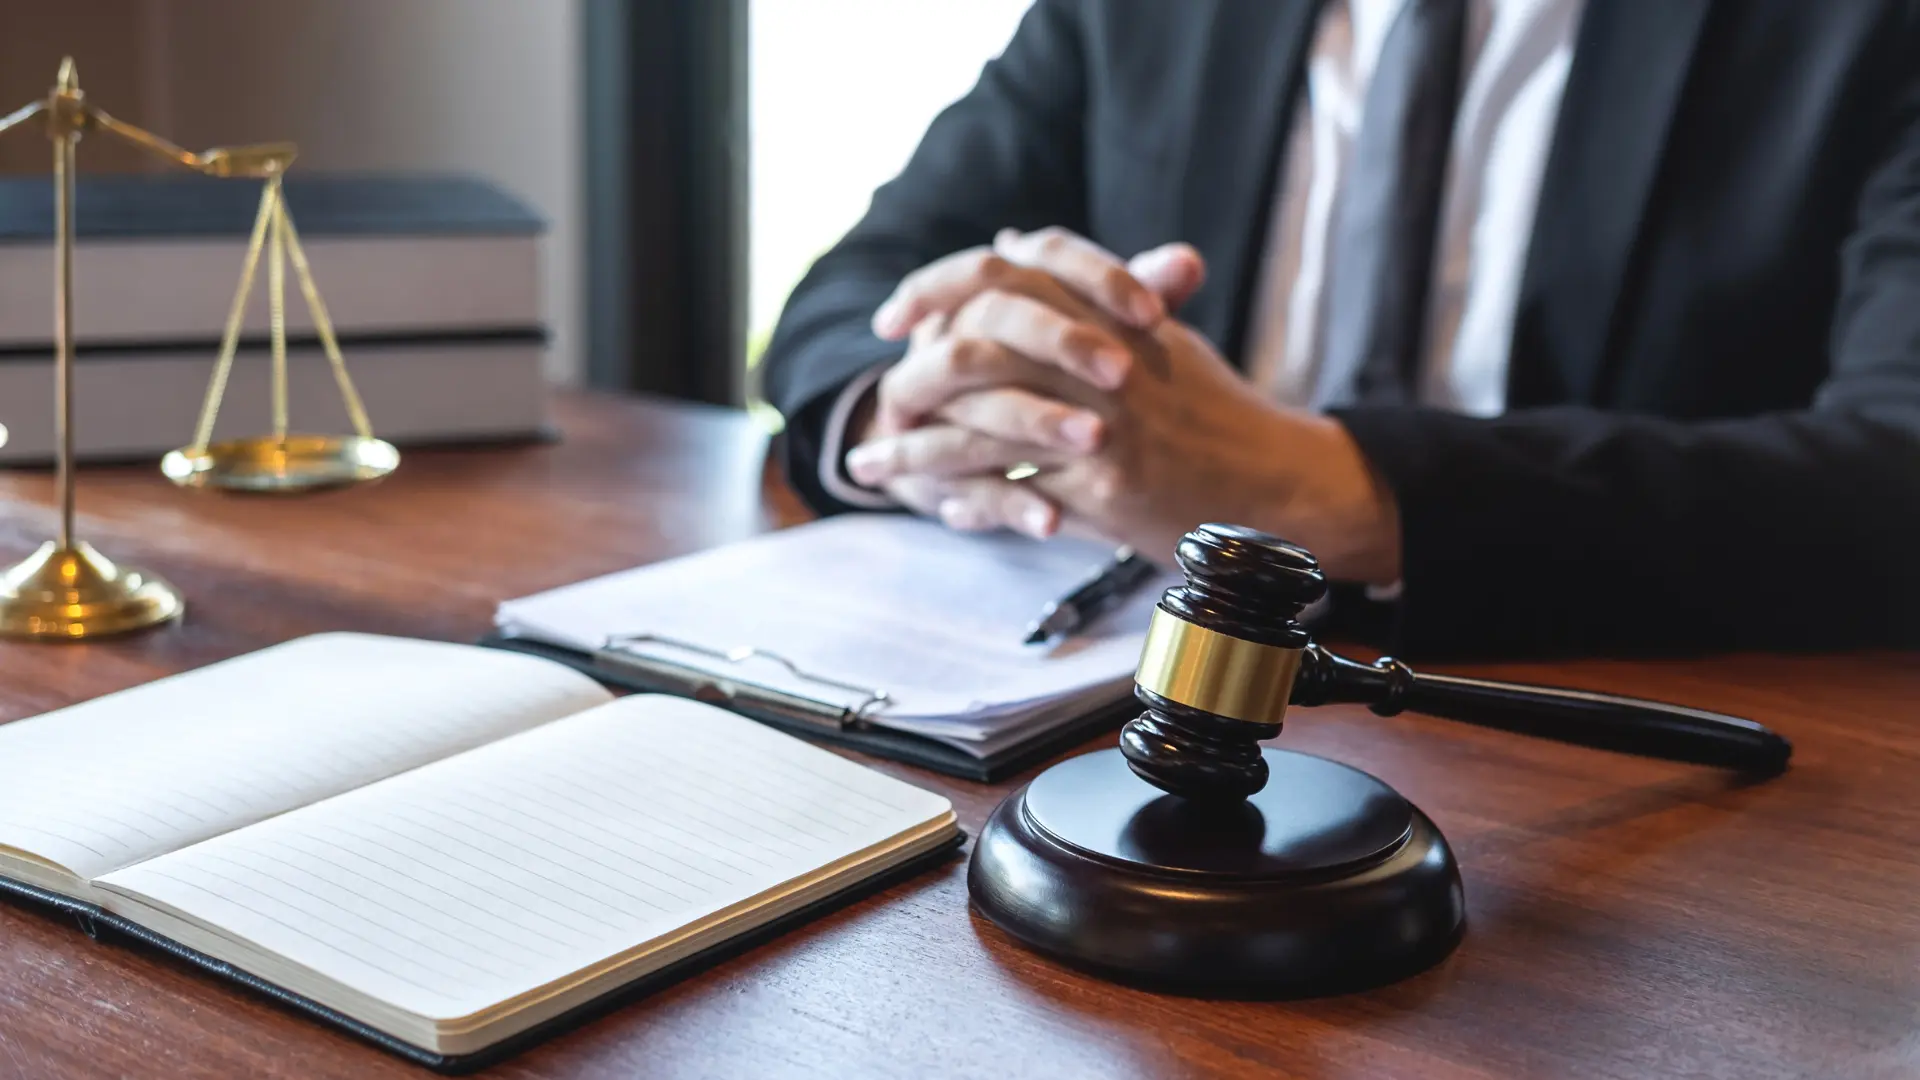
1045 351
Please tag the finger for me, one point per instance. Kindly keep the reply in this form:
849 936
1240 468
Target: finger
933 374
942 450
1014 415
920 494
985 503
1086 268
1045 333
928 330
1173 271
944 285
919 294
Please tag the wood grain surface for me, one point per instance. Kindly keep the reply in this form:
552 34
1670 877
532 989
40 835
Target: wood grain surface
1627 918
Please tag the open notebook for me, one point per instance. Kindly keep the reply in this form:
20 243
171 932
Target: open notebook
438 846
877 621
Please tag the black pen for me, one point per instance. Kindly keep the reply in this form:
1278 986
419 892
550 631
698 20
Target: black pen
1092 598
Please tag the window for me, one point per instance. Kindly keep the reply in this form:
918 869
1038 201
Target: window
841 91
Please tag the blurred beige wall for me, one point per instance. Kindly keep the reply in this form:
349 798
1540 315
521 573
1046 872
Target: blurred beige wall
107 40
483 86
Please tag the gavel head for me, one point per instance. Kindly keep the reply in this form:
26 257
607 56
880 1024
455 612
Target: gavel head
1219 662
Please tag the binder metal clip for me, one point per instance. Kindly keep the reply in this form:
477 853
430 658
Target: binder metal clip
738 693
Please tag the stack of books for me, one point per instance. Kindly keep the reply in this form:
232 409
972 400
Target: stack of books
433 284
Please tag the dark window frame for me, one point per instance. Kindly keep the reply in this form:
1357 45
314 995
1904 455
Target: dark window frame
665 198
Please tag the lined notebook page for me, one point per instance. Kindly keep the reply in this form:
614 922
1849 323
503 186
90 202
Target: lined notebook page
128 776
489 875
935 617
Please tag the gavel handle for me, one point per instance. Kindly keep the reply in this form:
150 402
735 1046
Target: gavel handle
1583 717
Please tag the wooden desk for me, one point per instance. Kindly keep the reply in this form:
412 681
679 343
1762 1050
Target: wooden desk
1627 918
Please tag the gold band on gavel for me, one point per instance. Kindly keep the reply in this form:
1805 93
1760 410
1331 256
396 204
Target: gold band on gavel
1215 672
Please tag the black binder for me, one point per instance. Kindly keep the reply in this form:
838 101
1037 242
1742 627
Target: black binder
102 925
836 723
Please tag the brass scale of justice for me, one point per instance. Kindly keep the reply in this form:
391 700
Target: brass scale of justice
67 591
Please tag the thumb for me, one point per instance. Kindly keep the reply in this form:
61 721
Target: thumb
1174 271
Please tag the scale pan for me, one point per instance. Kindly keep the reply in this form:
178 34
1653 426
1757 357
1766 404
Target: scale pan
268 463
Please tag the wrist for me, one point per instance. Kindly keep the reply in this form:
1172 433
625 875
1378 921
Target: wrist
1339 506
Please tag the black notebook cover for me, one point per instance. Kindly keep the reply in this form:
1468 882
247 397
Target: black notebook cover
102 925
881 742
168 205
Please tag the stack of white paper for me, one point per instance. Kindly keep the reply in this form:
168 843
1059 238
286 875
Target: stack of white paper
860 603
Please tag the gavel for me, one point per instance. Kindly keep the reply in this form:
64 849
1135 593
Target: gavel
1225 655
1191 857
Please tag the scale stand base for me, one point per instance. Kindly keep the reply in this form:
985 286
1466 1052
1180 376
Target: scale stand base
282 464
1325 881
75 593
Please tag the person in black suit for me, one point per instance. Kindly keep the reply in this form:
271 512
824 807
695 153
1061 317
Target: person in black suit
1549 325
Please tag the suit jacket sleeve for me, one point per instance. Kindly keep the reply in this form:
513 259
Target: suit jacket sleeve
1564 529
1007 154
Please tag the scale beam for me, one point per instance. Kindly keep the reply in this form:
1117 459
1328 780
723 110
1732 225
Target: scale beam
69 591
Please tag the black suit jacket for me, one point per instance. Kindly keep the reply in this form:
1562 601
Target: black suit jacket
1713 435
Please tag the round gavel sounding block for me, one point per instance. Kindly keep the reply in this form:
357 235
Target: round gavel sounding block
1191 857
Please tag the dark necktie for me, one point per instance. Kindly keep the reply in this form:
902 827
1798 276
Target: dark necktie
1387 218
